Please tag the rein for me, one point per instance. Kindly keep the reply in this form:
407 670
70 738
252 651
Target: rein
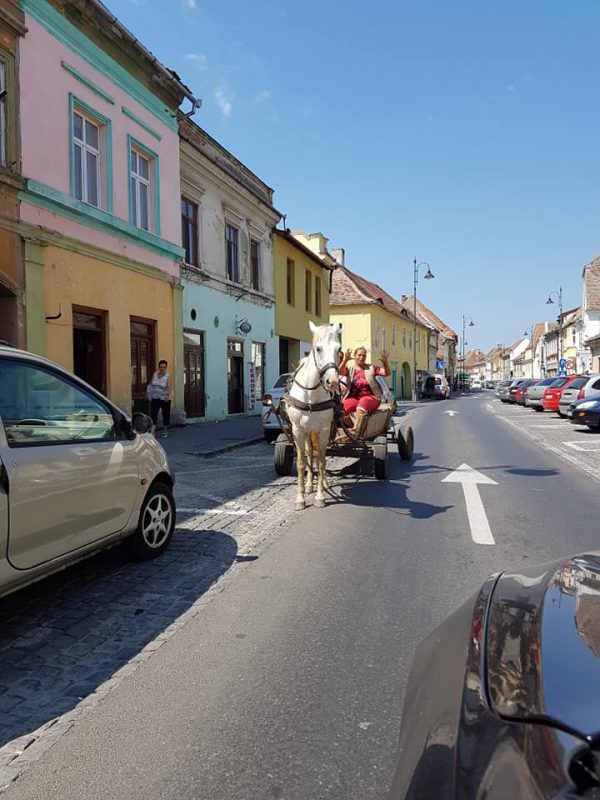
322 371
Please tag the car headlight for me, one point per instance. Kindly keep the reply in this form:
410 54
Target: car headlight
587 404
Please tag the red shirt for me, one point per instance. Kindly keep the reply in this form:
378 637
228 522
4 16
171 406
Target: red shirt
360 385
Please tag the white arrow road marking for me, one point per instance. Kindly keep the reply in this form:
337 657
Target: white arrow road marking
451 413
478 521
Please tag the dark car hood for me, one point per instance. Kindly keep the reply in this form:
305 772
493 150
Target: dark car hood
543 645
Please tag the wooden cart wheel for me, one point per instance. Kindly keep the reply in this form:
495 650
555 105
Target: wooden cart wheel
406 442
380 458
284 455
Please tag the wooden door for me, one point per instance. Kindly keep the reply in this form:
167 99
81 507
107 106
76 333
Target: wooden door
142 360
193 374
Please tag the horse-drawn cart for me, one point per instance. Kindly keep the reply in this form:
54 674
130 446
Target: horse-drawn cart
370 449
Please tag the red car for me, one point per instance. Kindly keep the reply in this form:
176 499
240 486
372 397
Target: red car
553 393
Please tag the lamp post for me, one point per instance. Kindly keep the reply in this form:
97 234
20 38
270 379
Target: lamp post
428 276
528 332
549 302
464 325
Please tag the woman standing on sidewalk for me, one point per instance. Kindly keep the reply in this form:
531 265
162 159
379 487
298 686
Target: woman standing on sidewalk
159 392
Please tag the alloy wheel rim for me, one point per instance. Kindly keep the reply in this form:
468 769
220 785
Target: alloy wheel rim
156 523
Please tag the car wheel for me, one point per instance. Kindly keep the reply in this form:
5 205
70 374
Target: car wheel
271 435
156 523
594 428
537 408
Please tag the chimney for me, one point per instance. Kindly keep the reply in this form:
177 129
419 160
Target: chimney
339 254
404 298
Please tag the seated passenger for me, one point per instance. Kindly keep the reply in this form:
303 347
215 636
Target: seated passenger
364 393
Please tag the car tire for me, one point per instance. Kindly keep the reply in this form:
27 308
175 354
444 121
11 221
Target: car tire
156 523
537 408
270 435
594 428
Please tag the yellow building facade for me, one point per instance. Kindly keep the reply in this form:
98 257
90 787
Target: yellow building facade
372 319
301 296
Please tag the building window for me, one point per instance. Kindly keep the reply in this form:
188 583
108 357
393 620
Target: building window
254 265
290 282
144 210
2 114
91 168
318 303
189 231
308 291
393 334
231 243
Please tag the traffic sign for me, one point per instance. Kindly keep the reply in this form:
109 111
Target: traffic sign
439 364
562 373
569 364
562 363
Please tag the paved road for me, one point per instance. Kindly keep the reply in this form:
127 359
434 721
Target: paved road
285 679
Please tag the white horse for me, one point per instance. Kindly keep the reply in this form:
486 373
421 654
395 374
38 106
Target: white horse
310 405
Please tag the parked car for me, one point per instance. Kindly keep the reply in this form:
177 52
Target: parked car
436 387
586 412
503 390
271 424
491 384
535 394
586 386
512 391
521 389
476 384
76 474
502 698
552 393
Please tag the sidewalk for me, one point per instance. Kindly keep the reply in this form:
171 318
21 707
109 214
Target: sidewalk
210 438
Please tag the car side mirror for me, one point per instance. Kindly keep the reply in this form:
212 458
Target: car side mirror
142 423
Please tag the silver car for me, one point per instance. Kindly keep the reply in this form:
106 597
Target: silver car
581 388
536 393
76 475
503 390
270 420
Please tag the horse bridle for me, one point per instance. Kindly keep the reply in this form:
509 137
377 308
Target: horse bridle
322 371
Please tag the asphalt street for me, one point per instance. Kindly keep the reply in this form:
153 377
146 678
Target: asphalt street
287 683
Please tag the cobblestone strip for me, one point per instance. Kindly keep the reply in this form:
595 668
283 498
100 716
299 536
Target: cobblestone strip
253 532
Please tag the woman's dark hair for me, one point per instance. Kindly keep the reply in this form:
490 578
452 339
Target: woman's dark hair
161 362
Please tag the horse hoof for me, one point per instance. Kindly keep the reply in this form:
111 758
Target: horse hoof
320 502
300 505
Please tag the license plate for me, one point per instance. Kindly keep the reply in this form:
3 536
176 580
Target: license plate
569 413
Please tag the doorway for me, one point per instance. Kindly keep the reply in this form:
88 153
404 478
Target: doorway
89 346
142 360
235 376
193 374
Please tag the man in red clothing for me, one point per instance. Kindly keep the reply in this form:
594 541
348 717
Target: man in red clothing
364 393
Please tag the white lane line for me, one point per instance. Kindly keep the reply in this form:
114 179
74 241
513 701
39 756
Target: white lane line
577 446
592 471
478 521
451 413
549 425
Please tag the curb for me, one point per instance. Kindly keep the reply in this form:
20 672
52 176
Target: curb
227 448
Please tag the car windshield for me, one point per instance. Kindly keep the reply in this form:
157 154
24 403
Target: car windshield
556 384
281 381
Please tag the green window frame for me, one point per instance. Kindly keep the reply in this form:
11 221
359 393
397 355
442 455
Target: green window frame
133 180
9 132
105 183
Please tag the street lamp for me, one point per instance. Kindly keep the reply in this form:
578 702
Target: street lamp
528 333
462 374
549 302
428 276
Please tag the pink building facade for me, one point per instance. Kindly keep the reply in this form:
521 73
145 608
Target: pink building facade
100 208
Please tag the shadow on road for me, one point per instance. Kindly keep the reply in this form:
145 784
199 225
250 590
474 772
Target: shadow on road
63 637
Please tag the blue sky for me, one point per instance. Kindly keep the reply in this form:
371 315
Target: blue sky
465 134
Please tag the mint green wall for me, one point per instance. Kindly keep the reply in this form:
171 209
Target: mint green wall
210 303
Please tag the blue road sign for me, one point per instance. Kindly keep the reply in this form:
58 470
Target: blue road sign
439 365
562 363
562 373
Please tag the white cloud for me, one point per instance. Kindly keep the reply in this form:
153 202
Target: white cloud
199 59
263 96
224 100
